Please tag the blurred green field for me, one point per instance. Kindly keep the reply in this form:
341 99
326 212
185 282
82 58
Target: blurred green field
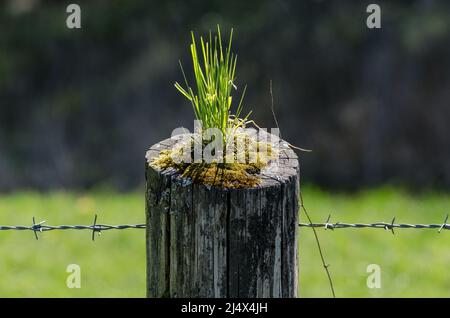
414 263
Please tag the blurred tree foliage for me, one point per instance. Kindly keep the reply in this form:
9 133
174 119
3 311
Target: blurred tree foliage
78 108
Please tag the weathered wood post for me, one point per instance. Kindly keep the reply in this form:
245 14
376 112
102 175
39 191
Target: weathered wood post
214 242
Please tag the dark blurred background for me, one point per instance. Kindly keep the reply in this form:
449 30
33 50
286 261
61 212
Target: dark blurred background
79 108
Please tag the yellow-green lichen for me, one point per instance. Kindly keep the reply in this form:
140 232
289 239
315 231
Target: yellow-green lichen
240 168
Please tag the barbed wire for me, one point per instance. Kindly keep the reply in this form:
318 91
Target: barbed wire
379 225
98 228
95 227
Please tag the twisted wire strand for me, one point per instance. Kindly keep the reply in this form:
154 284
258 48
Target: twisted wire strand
331 226
379 225
41 227
97 227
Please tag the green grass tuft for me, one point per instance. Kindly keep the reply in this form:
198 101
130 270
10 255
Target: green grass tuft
214 73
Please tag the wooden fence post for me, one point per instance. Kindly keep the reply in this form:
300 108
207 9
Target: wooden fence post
213 242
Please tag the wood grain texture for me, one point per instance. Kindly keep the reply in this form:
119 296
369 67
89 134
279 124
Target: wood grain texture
213 242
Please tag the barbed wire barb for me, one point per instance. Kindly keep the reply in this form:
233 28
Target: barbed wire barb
443 224
390 226
329 225
95 229
37 227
